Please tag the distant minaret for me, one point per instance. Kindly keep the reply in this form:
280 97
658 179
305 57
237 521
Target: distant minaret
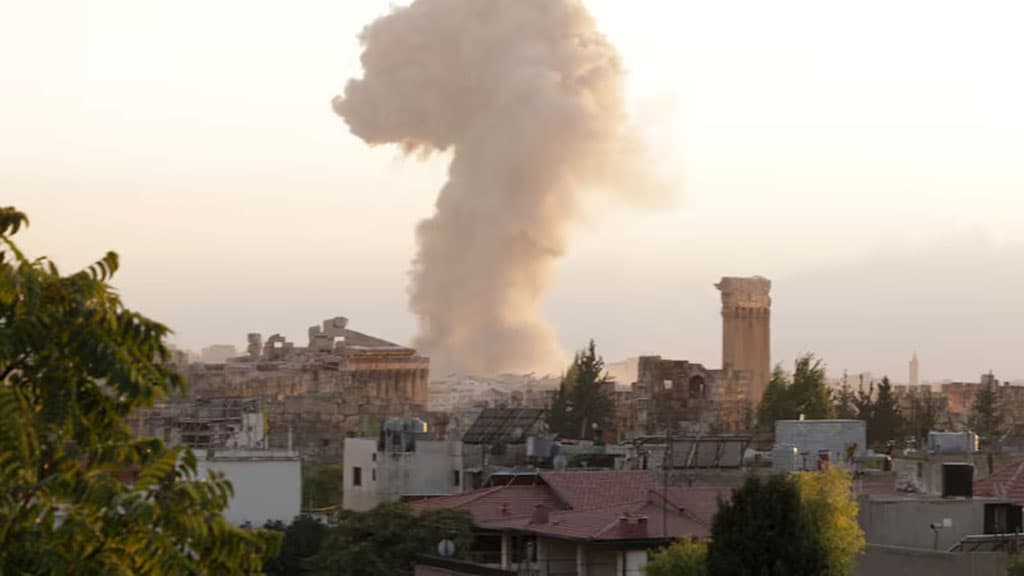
913 371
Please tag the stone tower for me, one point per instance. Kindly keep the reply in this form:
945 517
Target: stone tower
914 367
746 330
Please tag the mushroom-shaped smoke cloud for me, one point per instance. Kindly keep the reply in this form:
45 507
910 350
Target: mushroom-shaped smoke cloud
528 95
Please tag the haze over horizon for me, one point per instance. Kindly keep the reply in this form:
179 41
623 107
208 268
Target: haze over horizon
866 158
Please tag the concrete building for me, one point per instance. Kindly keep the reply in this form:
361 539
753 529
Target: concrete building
267 483
402 463
746 330
804 444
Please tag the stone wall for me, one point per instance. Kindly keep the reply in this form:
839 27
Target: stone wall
314 406
878 560
684 396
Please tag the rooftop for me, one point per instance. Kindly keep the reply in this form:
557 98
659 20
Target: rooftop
598 505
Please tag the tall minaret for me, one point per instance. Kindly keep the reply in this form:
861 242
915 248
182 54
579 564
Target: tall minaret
746 330
913 371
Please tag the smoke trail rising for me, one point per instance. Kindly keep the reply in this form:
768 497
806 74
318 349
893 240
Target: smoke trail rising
528 95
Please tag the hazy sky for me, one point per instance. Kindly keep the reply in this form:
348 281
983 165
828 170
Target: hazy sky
865 156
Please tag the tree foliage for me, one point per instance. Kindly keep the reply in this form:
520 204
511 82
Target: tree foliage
301 542
683 558
799 525
322 485
763 531
787 397
830 506
988 414
845 401
74 362
387 539
927 412
885 423
582 402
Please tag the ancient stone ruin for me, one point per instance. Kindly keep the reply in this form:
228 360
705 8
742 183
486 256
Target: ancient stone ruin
343 383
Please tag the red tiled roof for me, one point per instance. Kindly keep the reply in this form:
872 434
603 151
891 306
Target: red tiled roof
606 505
495 503
1007 482
686 513
599 489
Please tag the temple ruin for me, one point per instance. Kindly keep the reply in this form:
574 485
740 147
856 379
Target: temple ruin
342 383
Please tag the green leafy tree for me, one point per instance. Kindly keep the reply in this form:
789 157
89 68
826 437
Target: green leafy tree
387 539
683 558
927 412
805 392
865 402
829 505
74 362
988 415
322 485
886 421
809 392
845 401
762 530
301 542
776 403
583 401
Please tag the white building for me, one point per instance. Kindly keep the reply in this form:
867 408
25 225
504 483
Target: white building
267 483
402 467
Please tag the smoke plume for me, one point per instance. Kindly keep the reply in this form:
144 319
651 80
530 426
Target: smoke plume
528 96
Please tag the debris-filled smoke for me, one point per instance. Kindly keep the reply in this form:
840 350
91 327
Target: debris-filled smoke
528 96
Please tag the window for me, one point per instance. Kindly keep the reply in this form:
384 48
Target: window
374 457
357 476
456 478
696 387
373 474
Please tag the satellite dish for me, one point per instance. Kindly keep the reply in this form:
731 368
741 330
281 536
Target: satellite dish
446 548
560 462
517 433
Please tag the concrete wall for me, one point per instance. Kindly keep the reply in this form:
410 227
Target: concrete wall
884 560
602 562
899 521
387 476
361 453
268 484
812 436
560 558
634 562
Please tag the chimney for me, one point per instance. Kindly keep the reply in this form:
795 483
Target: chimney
541 514
633 526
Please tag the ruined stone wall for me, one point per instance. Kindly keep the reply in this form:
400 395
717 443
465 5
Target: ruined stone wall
680 393
316 405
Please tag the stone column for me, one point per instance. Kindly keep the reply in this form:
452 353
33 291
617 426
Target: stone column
581 560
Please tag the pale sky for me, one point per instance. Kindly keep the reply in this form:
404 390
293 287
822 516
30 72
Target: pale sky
865 156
